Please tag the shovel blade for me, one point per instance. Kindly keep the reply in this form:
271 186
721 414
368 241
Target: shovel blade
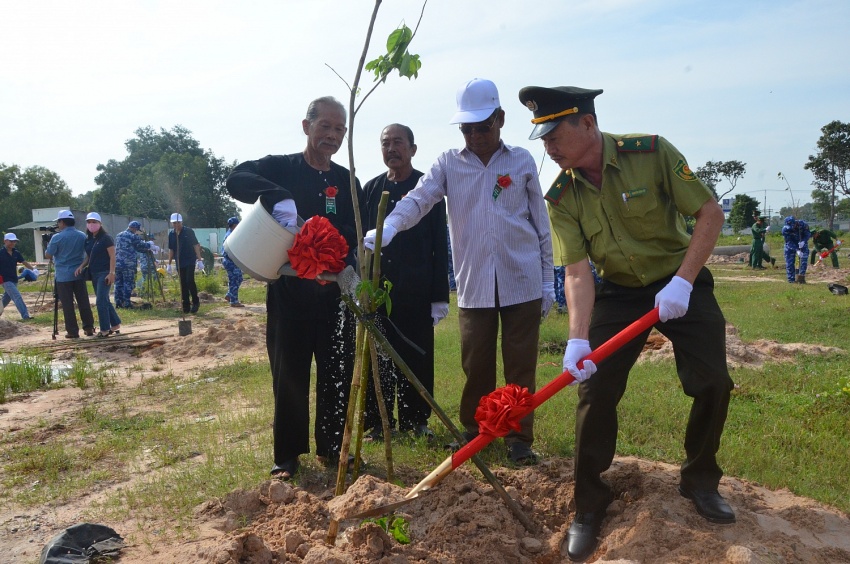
383 509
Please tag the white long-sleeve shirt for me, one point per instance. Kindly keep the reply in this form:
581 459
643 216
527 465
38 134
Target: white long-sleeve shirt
505 239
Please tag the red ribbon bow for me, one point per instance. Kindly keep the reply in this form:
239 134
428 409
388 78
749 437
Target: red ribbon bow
500 411
318 248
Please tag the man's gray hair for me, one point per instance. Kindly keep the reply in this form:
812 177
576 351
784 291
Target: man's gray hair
313 108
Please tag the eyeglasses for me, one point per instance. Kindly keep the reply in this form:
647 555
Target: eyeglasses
468 129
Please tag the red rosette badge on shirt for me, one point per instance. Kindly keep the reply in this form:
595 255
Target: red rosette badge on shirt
502 183
501 411
330 199
318 248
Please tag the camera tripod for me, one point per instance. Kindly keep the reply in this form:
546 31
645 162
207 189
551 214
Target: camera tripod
151 280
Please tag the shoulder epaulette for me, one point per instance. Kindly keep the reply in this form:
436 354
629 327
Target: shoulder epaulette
637 144
559 187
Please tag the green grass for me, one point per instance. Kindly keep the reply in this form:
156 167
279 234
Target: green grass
203 438
24 372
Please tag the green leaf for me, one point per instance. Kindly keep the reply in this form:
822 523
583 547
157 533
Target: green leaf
399 39
399 530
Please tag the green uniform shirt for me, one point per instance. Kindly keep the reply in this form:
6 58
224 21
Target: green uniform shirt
758 232
823 239
632 228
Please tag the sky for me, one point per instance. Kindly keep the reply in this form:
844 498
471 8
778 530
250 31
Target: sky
752 81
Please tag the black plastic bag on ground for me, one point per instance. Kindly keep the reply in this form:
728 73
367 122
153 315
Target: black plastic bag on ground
80 543
837 289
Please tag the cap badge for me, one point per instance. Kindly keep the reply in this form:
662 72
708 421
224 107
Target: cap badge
531 105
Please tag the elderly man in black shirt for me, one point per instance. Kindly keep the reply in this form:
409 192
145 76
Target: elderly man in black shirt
306 320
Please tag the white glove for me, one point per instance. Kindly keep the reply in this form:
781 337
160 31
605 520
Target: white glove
439 310
577 349
672 300
155 248
802 245
35 271
199 265
386 237
801 254
766 229
169 270
548 298
285 213
151 245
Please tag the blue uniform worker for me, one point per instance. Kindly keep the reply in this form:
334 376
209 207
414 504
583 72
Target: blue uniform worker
796 233
127 244
560 297
234 273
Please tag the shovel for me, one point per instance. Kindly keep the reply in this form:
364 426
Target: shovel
471 448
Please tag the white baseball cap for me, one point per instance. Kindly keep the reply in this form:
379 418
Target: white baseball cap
476 101
64 214
176 217
95 216
10 237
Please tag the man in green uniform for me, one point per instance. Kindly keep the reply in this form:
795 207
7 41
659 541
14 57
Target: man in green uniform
621 200
822 242
757 253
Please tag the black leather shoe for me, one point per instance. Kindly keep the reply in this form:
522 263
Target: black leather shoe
286 470
583 536
521 454
710 504
454 446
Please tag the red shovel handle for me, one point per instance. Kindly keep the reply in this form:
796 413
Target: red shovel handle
601 352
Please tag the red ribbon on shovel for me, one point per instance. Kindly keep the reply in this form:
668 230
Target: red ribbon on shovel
502 410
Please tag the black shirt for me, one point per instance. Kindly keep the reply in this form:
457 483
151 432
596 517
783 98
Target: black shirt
277 177
416 262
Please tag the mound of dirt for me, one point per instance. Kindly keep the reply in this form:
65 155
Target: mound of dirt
220 339
462 520
738 353
12 329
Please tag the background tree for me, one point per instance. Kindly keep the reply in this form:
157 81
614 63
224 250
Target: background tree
163 172
806 211
830 166
823 207
713 172
21 192
741 215
84 201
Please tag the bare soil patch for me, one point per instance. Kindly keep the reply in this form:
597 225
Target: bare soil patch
461 520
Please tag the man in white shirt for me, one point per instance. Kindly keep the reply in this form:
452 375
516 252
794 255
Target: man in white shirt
501 250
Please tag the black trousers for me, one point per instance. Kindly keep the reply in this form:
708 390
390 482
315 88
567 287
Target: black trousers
415 323
699 345
188 287
292 345
68 292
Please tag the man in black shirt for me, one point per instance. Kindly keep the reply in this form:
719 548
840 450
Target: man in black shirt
306 319
183 245
417 267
